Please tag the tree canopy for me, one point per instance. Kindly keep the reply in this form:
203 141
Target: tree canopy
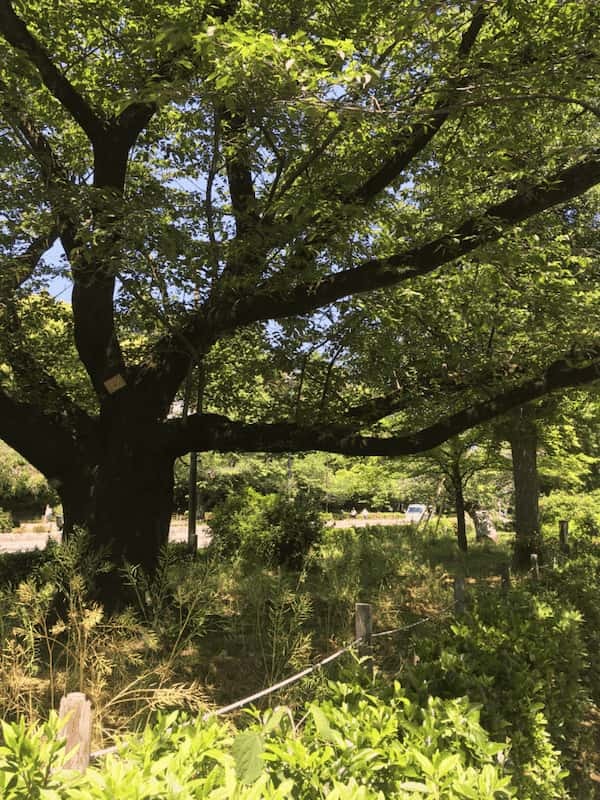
395 199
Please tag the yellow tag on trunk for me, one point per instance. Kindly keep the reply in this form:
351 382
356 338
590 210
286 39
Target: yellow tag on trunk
115 383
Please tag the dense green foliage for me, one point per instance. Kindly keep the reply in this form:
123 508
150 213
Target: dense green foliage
581 510
6 521
360 230
515 669
353 745
22 488
271 530
523 658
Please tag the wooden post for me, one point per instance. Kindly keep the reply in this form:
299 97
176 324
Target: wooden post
535 567
505 577
77 730
459 594
363 631
563 536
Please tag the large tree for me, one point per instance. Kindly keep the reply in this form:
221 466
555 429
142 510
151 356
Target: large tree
215 172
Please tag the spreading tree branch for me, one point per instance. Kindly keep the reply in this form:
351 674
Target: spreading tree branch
45 439
20 267
406 148
380 273
214 432
17 34
275 300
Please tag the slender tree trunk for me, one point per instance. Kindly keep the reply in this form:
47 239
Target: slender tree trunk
523 443
459 501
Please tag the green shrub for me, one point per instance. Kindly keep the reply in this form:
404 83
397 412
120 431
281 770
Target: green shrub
17 567
576 582
6 521
381 743
266 529
352 745
523 658
582 510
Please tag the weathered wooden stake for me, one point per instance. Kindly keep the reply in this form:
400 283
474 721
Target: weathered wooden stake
363 631
535 567
77 730
505 577
563 536
459 594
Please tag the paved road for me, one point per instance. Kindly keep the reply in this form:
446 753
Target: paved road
17 542
361 522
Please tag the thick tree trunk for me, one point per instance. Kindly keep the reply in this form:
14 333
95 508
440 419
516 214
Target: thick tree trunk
132 504
125 502
523 443
76 499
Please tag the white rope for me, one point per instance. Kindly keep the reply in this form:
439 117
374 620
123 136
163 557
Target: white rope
286 682
257 695
293 678
413 624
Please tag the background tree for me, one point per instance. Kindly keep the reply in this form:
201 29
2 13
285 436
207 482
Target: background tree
296 172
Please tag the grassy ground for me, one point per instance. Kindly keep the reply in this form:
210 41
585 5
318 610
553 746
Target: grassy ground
206 632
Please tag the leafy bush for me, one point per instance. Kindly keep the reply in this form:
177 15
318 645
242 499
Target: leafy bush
523 658
576 582
17 567
582 510
22 487
266 529
376 745
6 521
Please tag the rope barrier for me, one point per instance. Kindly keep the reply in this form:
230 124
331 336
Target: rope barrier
413 624
292 678
308 670
286 682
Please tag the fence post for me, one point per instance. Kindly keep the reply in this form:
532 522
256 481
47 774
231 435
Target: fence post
77 730
459 594
363 631
563 536
535 567
505 577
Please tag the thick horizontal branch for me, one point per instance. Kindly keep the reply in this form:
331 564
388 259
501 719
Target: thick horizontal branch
45 440
18 35
203 432
231 311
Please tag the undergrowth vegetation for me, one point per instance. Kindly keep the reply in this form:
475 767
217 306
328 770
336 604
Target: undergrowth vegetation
497 702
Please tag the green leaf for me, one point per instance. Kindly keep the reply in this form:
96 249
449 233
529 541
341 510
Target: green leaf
247 750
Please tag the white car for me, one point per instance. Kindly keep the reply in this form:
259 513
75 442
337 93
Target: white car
414 512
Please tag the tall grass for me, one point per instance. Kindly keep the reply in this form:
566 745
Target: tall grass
204 629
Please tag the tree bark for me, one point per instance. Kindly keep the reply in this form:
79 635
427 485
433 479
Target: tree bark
125 502
459 501
132 504
523 443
